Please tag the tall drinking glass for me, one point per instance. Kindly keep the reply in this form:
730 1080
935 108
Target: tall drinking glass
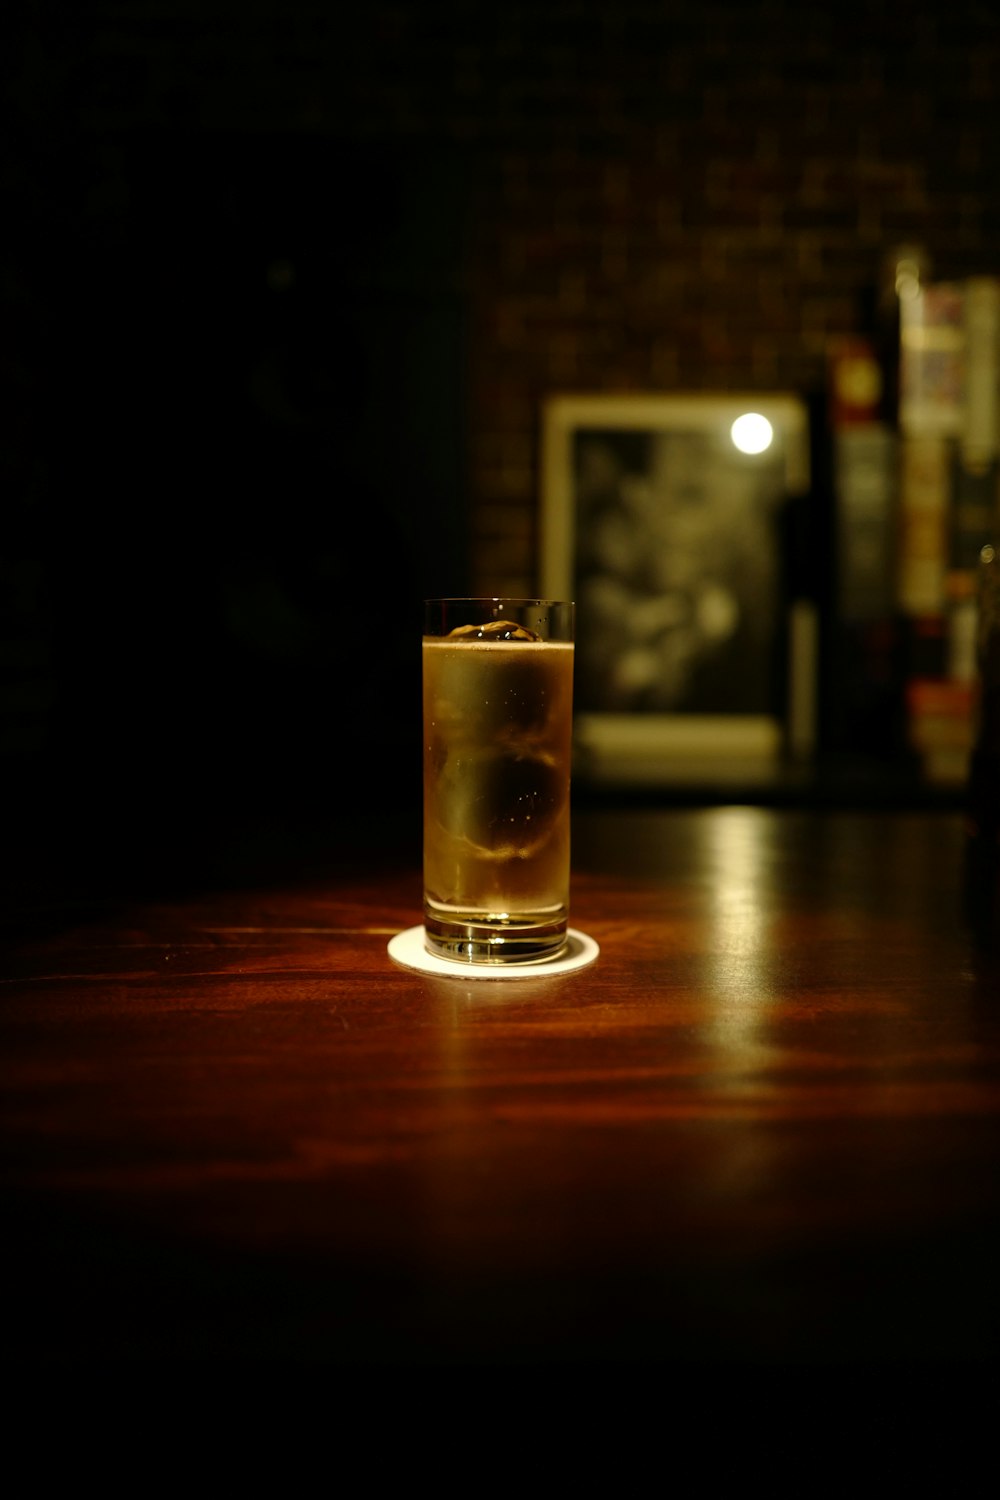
498 712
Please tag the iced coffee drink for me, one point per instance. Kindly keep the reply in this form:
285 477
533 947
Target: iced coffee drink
498 703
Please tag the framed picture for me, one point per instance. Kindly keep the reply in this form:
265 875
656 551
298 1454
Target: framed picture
661 516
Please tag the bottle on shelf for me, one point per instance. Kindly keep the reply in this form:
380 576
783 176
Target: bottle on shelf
982 851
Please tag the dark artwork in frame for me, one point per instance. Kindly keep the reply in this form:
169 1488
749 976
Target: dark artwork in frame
668 535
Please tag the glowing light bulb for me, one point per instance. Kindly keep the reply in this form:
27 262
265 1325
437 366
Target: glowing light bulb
752 433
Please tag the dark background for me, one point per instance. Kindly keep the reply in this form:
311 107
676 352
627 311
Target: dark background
236 473
284 287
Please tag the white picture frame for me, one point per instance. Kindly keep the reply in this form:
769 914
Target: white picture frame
692 661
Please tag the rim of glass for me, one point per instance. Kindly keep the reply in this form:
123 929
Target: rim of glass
494 599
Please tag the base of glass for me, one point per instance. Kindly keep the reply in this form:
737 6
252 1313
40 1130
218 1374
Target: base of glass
494 941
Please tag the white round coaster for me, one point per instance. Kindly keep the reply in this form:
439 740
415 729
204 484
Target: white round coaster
407 948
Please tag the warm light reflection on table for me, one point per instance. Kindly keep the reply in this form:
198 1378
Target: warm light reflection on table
763 1126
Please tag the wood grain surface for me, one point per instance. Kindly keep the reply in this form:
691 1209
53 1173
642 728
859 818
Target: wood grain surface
763 1127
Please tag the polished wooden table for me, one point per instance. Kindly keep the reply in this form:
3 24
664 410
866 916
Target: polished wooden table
763 1127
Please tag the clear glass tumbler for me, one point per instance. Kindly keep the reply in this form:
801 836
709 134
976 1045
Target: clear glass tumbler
498 719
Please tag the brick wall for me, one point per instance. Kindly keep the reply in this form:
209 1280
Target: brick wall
699 197
655 195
